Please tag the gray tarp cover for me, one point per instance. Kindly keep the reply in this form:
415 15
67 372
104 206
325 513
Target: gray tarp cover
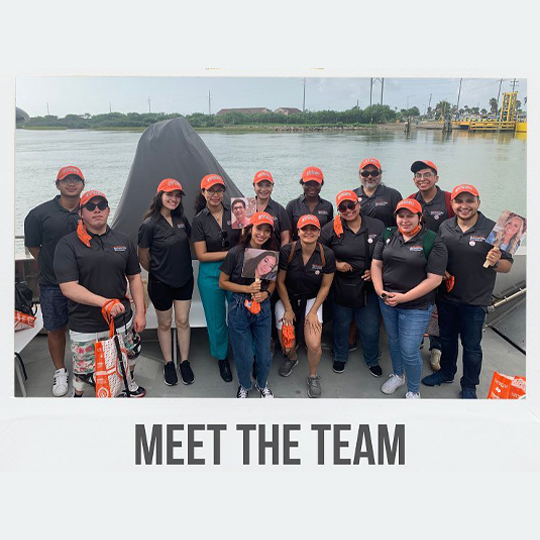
169 149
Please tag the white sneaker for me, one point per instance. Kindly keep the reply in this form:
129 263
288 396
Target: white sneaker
435 359
412 395
60 382
265 392
393 383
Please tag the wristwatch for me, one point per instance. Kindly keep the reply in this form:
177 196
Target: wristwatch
496 265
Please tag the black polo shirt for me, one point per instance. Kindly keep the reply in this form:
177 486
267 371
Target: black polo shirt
305 281
102 269
299 207
206 228
43 228
282 221
466 256
381 204
232 266
434 211
405 265
170 254
350 247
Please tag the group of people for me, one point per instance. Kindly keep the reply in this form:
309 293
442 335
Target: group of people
417 263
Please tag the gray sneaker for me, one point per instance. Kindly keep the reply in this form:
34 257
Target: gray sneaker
314 386
286 368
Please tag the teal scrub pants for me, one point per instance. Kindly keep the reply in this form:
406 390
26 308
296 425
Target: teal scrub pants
213 300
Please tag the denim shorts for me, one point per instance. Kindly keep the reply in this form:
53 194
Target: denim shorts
54 307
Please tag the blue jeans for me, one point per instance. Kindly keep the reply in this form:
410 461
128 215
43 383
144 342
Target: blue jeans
466 321
405 329
250 333
368 320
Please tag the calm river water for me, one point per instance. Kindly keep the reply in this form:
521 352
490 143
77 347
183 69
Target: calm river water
494 163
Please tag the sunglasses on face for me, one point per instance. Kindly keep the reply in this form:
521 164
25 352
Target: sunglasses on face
427 175
65 181
225 244
374 173
349 205
102 205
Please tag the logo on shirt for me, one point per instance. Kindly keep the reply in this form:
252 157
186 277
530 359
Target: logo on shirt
381 203
416 248
436 214
119 248
181 225
322 212
371 238
477 238
316 267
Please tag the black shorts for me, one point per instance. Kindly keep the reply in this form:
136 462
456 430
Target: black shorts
162 295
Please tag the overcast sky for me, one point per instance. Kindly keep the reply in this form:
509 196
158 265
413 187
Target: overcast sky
185 95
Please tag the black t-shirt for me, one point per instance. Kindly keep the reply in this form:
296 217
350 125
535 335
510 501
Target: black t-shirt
232 266
206 229
299 207
102 269
282 221
43 228
435 211
170 254
466 256
405 265
305 281
350 247
381 204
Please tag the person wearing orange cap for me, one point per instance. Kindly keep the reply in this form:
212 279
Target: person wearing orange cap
462 309
436 208
93 266
44 226
310 202
212 237
306 271
352 237
377 200
408 265
263 184
250 328
164 252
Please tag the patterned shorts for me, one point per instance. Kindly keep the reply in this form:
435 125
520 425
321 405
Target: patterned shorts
84 355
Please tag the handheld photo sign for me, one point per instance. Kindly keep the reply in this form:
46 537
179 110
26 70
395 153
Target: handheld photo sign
242 208
260 264
508 232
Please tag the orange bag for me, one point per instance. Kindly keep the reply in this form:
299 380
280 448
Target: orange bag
506 387
112 373
287 335
253 306
23 321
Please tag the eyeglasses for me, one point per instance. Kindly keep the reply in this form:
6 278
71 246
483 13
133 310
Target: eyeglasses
225 244
75 180
349 205
217 190
374 173
426 175
102 205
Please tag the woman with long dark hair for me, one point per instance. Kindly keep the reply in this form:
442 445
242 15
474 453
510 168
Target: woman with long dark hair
212 238
250 318
165 254
262 266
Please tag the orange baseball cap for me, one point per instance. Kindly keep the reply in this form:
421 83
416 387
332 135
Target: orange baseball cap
371 161
211 180
259 218
88 195
464 188
313 173
422 164
263 175
70 169
308 219
346 196
170 184
410 204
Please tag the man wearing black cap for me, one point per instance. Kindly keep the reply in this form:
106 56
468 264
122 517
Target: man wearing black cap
92 265
44 226
436 207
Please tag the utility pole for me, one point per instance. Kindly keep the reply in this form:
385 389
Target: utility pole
371 92
304 103
209 104
48 113
149 105
382 90
110 107
458 96
514 82
499 92
358 105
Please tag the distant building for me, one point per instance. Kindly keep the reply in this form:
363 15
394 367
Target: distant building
251 110
288 110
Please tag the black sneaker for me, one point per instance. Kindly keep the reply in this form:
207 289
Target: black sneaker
339 367
186 372
436 379
225 370
376 371
468 393
169 374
